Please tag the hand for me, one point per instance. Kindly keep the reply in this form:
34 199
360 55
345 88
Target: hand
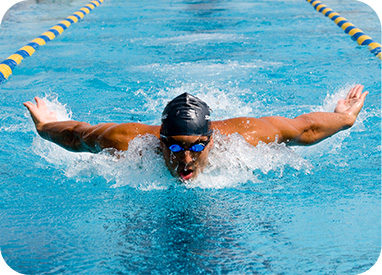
40 112
353 102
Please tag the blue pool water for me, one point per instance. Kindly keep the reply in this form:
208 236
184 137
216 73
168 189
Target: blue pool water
266 210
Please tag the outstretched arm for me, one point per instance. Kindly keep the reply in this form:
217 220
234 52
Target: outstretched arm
313 127
79 136
303 130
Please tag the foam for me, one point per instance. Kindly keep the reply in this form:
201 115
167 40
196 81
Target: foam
210 67
223 102
333 146
63 113
330 102
232 161
199 38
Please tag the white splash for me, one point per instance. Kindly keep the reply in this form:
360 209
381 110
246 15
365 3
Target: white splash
47 150
232 161
197 38
330 102
141 167
63 113
202 69
223 102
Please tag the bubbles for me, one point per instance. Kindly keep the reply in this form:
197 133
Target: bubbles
53 153
223 102
206 71
199 38
330 102
62 112
20 127
329 152
232 161
141 167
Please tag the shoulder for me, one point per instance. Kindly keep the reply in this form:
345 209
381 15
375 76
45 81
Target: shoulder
118 136
134 129
240 125
253 130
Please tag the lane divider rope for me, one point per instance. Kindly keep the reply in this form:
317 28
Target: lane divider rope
8 65
355 33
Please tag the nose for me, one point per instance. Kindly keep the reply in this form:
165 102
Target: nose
186 157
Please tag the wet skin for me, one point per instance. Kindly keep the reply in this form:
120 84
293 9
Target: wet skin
186 164
305 129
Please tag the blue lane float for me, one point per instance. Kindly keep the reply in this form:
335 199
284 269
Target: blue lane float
9 64
355 33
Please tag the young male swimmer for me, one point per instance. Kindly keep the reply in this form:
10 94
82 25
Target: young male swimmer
186 130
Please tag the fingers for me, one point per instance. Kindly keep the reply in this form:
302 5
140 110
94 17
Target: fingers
29 105
355 92
350 93
358 91
363 96
40 102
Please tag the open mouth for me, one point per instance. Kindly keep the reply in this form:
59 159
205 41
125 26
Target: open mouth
186 174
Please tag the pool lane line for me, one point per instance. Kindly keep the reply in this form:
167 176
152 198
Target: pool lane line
355 33
8 65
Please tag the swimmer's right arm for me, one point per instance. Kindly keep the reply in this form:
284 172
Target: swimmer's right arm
78 136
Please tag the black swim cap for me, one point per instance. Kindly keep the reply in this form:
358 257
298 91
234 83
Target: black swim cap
186 115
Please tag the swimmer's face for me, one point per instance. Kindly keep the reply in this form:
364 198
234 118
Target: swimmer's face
186 164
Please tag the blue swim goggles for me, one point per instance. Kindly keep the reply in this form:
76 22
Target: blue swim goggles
175 148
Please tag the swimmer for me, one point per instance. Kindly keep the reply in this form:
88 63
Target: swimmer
186 130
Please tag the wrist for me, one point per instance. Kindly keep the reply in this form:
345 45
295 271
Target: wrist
348 119
41 129
39 126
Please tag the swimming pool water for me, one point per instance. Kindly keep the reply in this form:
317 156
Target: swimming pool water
266 210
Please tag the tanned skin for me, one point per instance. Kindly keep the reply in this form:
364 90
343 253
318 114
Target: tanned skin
305 129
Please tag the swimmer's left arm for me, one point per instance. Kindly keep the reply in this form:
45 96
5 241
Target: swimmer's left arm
309 128
305 129
313 127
